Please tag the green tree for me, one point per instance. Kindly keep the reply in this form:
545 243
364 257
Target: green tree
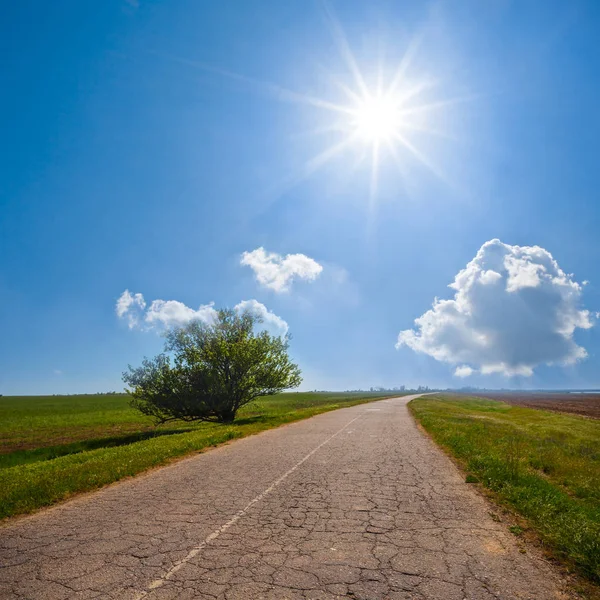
208 372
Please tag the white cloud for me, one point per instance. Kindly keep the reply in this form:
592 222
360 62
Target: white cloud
272 323
172 313
463 371
129 306
162 314
514 309
277 272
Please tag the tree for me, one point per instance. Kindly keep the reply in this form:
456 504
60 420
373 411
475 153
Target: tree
217 369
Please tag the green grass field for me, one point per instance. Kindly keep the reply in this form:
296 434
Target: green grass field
52 447
543 465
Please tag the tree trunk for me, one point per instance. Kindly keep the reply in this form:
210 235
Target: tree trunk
227 417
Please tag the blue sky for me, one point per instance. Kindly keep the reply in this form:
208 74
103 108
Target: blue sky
148 145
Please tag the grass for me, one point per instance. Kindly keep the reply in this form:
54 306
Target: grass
543 465
31 422
52 447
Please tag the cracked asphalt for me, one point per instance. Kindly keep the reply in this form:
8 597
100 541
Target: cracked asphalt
355 503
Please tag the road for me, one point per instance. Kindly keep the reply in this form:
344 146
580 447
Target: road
355 503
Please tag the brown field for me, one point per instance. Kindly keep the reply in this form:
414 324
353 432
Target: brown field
587 405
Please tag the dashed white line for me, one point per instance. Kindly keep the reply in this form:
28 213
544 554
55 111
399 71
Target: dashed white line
215 534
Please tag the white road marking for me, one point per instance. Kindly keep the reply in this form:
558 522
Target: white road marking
215 534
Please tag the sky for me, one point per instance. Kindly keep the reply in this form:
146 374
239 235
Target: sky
407 188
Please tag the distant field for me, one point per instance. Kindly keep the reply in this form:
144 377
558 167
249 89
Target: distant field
54 446
587 405
29 422
543 465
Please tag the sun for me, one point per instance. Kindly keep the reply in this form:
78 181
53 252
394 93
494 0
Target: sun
384 113
377 119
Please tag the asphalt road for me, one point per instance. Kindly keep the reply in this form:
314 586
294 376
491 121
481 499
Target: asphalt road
355 503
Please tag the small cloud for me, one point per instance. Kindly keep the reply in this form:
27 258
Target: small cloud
274 324
58 372
463 371
513 309
277 272
129 306
163 314
170 313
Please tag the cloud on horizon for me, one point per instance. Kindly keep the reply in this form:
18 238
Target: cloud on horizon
162 314
278 272
514 309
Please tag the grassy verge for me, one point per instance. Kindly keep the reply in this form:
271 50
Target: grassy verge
32 477
545 466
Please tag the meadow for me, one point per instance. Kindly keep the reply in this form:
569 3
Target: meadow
52 447
543 466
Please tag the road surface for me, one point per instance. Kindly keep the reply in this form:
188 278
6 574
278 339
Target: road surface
355 503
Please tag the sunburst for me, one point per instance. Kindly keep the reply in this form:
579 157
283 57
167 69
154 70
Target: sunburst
381 122
384 118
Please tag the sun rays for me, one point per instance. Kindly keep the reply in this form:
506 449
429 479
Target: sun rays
378 114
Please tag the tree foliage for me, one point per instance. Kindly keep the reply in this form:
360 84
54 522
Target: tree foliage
208 372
